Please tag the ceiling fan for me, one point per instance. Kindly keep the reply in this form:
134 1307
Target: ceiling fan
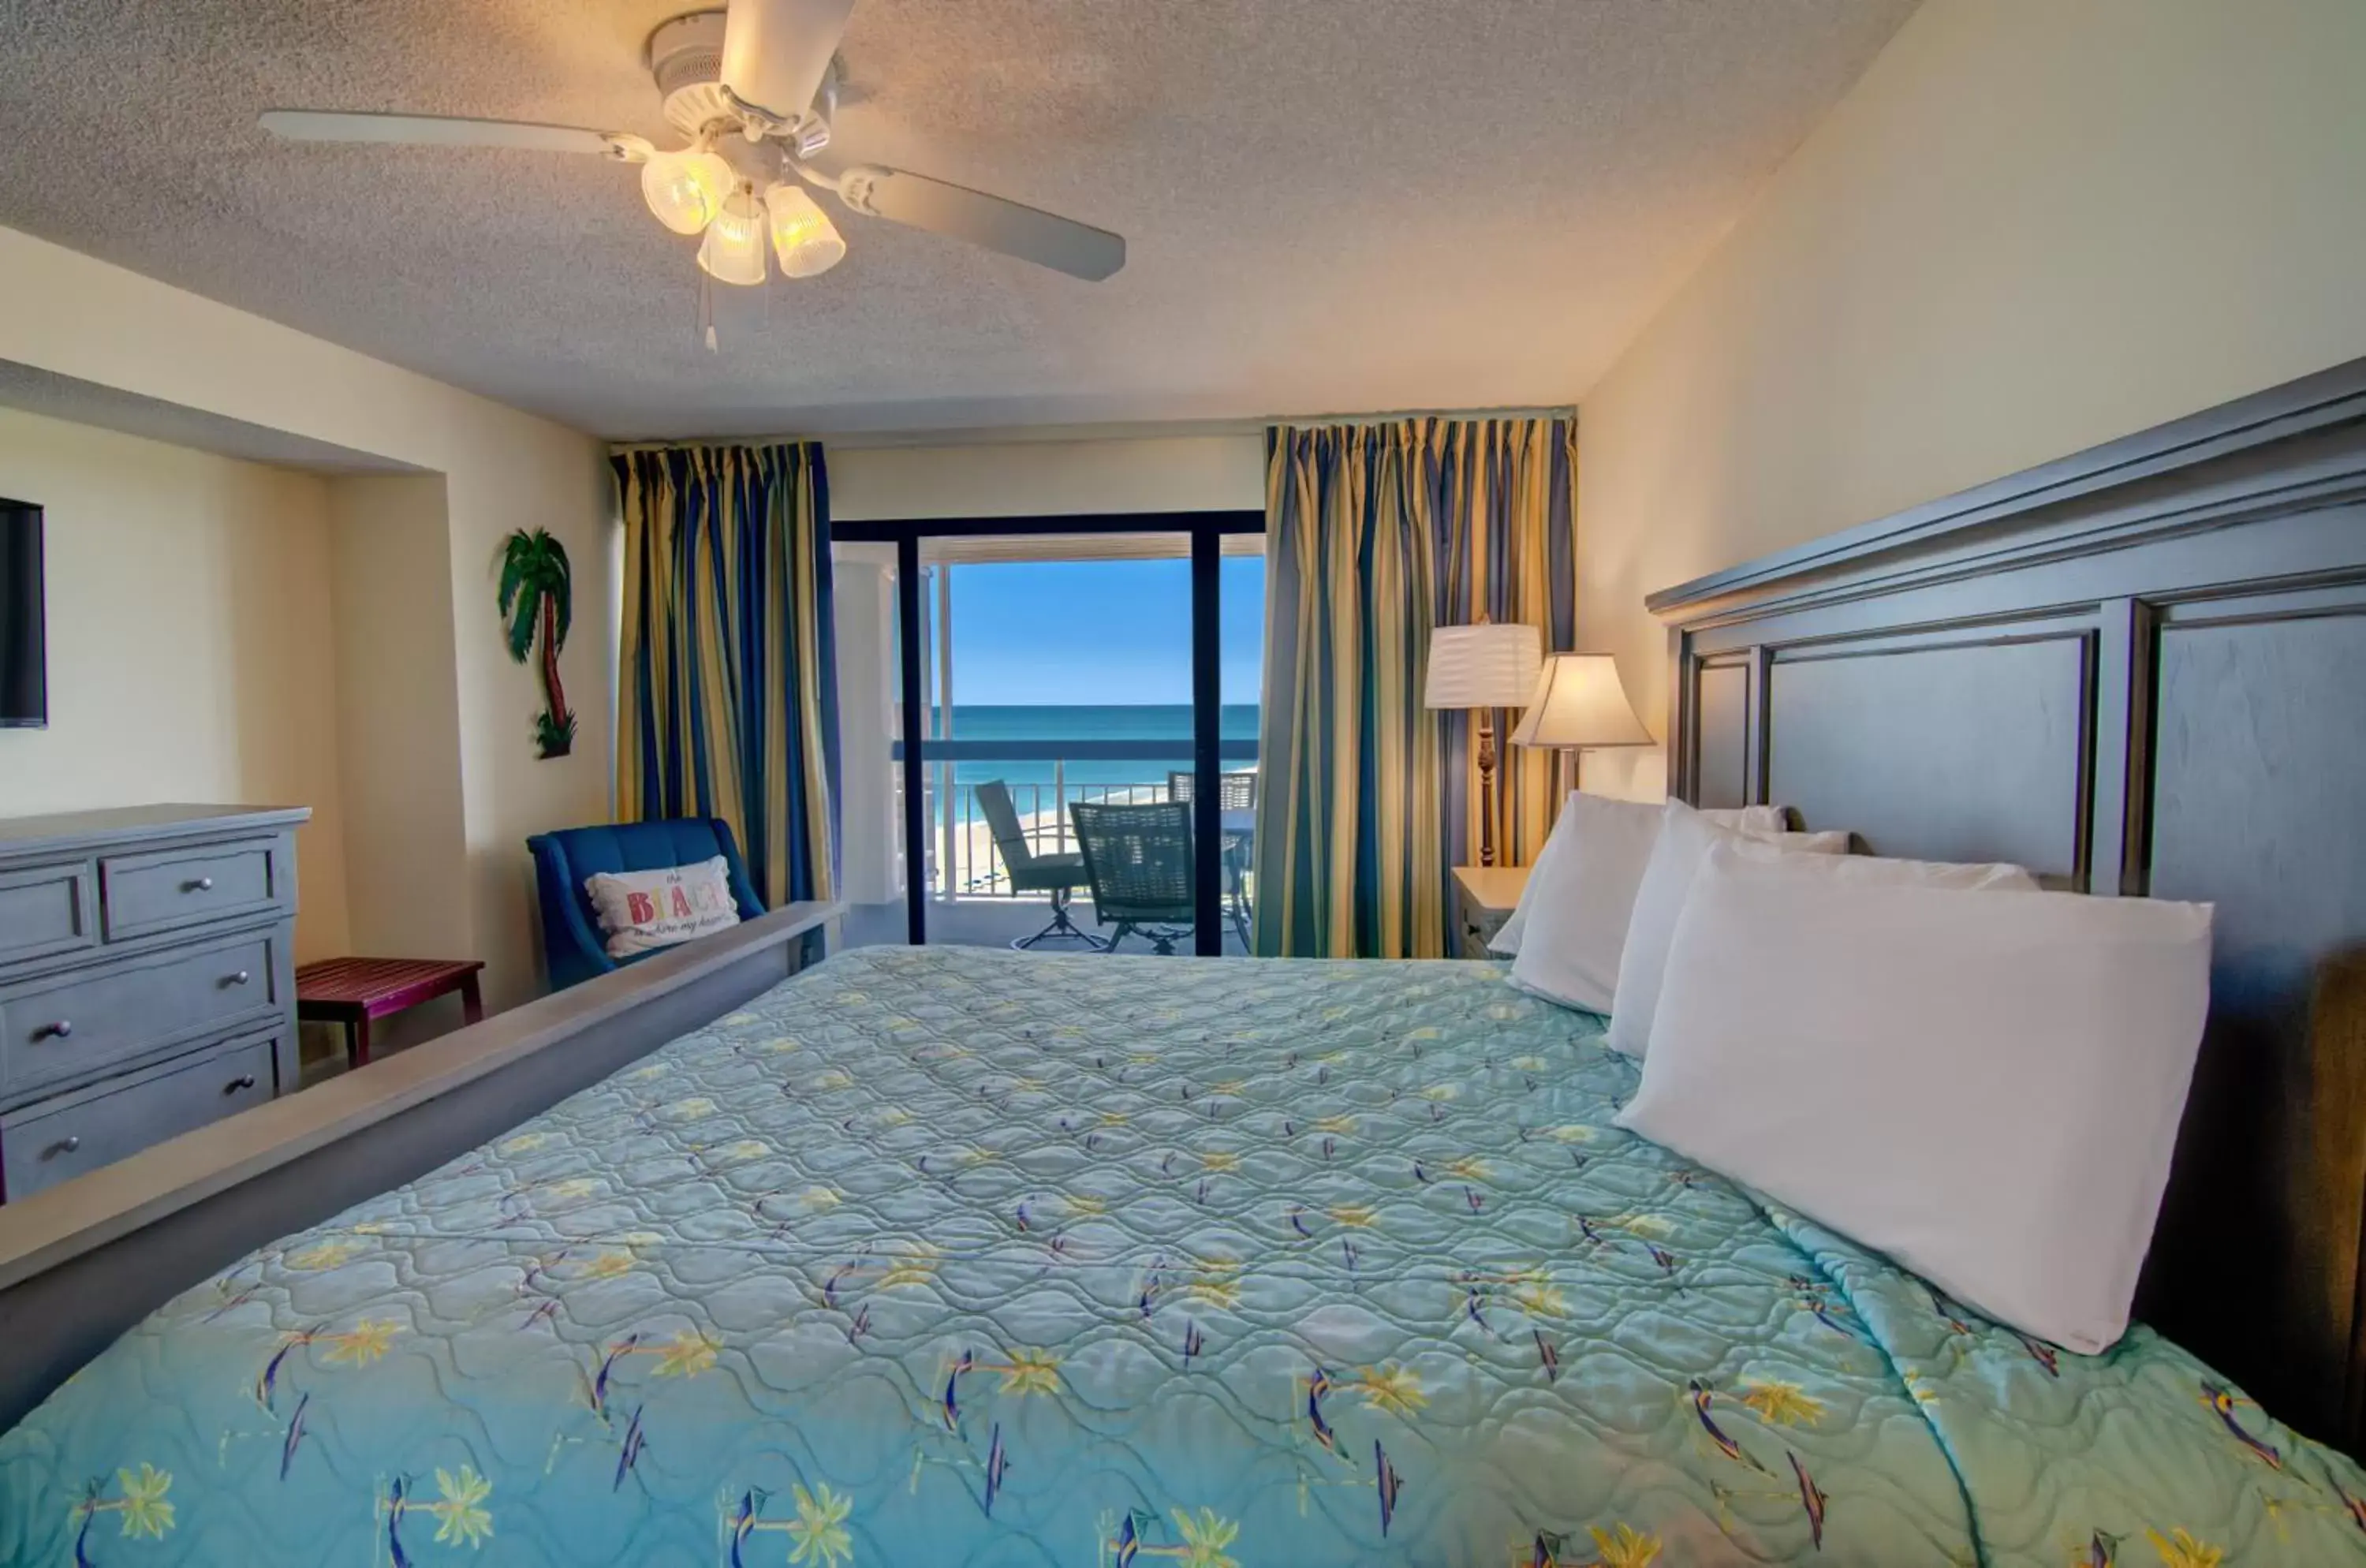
753 87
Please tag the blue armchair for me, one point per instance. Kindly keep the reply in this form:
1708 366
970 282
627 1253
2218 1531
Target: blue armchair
572 942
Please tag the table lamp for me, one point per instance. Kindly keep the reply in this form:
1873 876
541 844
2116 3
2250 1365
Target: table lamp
1487 666
1577 704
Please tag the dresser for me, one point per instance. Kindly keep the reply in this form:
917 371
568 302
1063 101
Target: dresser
147 979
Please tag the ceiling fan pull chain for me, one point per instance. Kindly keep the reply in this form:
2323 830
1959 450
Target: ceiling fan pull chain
706 309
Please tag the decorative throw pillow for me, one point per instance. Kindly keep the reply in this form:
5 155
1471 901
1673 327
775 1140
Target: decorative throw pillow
1549 876
1685 837
646 910
1986 1090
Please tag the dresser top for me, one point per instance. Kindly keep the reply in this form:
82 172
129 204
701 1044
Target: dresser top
1493 888
136 824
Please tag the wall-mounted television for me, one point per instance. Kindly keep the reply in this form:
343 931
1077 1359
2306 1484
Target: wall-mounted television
24 653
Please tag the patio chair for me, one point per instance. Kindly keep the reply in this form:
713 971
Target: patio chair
1237 792
1060 875
1138 860
1234 792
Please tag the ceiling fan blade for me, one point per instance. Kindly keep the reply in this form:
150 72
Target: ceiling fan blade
1016 229
434 130
775 52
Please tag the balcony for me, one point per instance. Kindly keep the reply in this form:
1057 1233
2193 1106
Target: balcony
1076 681
971 901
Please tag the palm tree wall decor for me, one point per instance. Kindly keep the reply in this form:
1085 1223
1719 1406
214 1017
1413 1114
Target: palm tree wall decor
537 603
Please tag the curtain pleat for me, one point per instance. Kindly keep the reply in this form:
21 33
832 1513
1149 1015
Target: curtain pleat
726 686
1375 533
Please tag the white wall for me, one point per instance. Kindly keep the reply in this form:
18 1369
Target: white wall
1038 478
501 469
189 642
2032 226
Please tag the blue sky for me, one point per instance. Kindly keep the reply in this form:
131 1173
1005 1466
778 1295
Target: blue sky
1097 631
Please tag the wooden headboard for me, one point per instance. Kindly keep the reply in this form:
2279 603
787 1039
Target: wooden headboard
2141 670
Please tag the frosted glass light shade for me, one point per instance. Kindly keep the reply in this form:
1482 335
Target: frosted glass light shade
733 251
803 236
1485 666
685 189
1579 702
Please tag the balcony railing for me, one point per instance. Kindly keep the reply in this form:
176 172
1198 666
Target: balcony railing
961 858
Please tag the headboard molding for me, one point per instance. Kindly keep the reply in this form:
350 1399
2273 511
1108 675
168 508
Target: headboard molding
2140 669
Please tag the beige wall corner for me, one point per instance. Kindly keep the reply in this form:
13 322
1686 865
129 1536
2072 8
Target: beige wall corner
2030 228
398 729
539 478
71 315
189 619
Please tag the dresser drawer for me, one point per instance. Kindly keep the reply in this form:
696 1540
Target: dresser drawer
1475 926
53 1139
47 909
77 1023
165 890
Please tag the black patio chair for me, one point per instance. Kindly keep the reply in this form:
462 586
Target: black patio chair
1234 792
1138 861
1060 875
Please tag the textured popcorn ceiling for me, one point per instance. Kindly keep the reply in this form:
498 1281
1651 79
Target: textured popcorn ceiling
1330 205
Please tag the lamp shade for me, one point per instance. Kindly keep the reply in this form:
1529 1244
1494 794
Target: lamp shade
803 236
1579 702
1485 666
733 251
685 189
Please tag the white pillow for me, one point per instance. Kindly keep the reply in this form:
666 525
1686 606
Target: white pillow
645 909
1986 1090
1757 821
1685 839
1579 898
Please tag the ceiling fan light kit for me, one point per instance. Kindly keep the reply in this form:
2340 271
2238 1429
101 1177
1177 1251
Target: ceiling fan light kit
686 190
753 87
805 239
733 250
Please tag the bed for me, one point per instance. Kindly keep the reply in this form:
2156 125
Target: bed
968 1257
1244 1262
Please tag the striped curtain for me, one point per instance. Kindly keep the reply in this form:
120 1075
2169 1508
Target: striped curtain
1374 534
728 687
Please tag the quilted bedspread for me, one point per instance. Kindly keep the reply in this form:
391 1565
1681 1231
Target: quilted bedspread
962 1257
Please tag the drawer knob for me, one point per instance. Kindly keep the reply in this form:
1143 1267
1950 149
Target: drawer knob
65 1146
243 1081
202 884
61 1029
241 978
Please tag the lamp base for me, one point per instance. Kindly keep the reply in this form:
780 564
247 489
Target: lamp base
1486 786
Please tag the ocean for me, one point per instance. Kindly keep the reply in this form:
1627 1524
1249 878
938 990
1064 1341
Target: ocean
1053 723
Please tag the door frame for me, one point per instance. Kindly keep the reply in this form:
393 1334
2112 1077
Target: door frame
1207 530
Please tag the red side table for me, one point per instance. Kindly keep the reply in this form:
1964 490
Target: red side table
353 991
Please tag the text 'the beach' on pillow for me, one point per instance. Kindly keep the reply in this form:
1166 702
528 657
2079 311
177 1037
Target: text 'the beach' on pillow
1986 1088
641 910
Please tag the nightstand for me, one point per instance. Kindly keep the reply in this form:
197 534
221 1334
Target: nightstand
1484 897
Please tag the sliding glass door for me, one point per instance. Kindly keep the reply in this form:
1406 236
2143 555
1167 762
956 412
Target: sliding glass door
1052 679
